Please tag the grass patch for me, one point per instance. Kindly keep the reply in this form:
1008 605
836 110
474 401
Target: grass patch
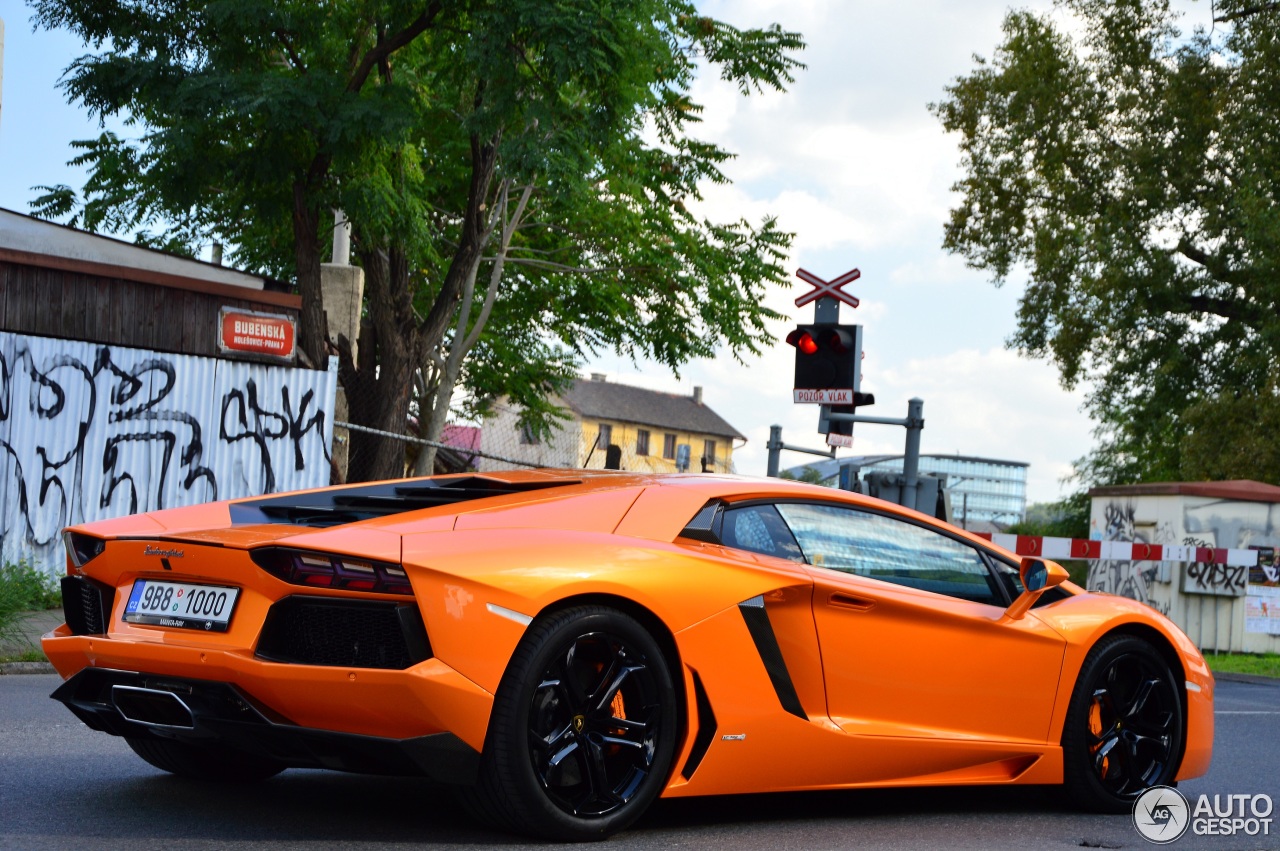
23 589
1262 665
32 655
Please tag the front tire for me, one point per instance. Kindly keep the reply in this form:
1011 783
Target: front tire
1124 729
583 730
198 762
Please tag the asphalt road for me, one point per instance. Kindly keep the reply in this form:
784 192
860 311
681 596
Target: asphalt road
65 786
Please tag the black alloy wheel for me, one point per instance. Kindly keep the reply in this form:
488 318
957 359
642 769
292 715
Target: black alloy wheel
583 728
1124 727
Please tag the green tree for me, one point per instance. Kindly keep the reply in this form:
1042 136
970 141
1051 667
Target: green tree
517 174
1068 518
811 475
1234 436
1130 172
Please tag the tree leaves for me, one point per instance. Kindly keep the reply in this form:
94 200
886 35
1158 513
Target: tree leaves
418 121
1129 172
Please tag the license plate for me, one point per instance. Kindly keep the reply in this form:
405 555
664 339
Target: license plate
179 605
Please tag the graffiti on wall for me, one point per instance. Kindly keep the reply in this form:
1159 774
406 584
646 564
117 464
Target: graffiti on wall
1220 580
1131 579
1216 524
90 431
1233 524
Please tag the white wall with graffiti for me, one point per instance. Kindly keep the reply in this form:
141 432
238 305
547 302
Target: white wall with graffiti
90 431
1217 606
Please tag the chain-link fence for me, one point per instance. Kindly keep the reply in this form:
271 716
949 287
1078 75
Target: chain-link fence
364 452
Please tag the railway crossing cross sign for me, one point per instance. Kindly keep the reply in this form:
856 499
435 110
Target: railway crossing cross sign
827 289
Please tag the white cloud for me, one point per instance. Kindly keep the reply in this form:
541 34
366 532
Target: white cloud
993 403
989 403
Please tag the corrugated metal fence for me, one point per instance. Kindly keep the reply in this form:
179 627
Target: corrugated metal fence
89 431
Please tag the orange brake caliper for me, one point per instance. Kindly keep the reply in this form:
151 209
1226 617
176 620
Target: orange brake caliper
1095 727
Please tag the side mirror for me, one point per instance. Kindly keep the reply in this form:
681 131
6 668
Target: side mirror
1038 575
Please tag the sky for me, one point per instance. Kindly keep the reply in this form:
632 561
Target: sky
850 160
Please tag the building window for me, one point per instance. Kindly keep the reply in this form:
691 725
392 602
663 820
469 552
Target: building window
605 437
669 446
642 441
528 437
709 452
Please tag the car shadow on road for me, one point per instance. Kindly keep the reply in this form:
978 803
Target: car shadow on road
781 807
132 805
137 807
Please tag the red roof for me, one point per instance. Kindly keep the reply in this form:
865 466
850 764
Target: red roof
466 438
1241 490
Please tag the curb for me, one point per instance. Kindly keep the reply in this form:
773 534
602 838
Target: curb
1252 679
26 668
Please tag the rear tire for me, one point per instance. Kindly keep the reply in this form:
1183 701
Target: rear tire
199 762
583 730
1124 729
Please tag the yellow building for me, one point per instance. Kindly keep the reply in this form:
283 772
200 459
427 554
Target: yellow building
649 431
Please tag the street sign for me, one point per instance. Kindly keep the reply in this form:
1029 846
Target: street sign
823 397
250 332
827 289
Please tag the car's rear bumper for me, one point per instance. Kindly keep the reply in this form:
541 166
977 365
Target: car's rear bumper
425 699
139 705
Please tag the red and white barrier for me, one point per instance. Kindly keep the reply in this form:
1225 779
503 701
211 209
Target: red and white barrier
1078 548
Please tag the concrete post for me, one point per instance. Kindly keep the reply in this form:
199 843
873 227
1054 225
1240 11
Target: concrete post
911 457
342 288
775 450
341 239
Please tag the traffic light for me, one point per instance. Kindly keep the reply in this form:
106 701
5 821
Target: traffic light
827 357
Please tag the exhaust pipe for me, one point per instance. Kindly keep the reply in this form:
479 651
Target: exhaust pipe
152 707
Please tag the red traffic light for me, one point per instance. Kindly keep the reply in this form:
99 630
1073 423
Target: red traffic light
803 340
826 357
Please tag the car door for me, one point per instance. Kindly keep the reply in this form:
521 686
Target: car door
909 619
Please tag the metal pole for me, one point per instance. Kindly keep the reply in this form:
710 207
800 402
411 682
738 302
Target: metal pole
911 457
775 450
1231 625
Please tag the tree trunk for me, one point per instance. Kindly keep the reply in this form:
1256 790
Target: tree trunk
313 335
378 389
402 342
466 334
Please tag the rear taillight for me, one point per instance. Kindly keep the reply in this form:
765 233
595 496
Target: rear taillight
322 570
82 548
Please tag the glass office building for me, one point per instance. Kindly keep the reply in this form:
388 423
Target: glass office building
982 489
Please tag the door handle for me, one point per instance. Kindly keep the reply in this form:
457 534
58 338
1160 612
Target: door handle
849 601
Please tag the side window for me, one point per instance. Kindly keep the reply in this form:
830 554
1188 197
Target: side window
891 550
760 529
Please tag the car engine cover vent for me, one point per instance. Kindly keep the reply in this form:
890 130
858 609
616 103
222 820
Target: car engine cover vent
344 633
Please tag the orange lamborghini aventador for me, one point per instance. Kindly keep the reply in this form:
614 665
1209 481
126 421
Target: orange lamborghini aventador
568 646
